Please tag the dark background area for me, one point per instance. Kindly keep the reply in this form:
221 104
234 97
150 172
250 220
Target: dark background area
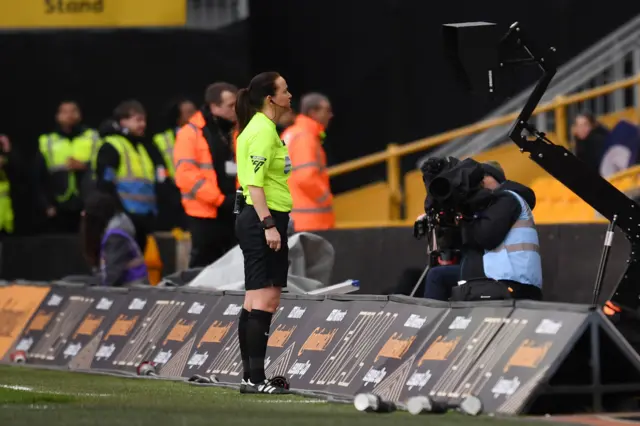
380 62
99 69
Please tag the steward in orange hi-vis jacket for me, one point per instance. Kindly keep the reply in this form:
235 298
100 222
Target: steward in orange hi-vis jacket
204 159
309 181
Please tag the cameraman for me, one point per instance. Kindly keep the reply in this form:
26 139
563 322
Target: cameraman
500 246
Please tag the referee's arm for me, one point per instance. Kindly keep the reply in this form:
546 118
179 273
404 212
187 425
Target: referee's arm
260 154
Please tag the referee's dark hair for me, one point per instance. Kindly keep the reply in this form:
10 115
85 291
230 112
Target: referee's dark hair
251 99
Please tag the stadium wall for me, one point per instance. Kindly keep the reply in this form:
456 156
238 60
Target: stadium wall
377 257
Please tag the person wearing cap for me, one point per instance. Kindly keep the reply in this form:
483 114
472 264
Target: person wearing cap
500 245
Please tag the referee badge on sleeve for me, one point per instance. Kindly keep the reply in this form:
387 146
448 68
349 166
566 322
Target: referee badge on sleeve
257 162
287 165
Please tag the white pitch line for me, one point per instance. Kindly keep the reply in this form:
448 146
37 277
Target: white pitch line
15 387
29 407
288 401
27 389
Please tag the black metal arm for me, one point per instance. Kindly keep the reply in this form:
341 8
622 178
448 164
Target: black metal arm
575 175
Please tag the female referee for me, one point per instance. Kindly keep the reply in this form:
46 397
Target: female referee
261 227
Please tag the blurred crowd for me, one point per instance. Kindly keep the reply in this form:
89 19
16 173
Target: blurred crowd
603 149
181 177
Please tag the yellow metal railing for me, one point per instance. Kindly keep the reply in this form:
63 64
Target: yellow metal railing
392 155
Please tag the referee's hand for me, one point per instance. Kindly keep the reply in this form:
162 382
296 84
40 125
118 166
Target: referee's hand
273 238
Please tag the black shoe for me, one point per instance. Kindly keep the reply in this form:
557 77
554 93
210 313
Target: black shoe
247 387
275 386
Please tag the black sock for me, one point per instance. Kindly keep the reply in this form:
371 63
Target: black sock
257 338
242 338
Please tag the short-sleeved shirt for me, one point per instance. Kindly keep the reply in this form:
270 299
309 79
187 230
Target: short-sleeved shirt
263 161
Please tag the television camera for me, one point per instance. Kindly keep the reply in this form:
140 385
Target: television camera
454 193
434 215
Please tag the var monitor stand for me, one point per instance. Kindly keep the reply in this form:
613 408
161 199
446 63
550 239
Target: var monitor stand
514 49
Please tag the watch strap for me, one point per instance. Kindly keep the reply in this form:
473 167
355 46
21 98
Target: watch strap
268 222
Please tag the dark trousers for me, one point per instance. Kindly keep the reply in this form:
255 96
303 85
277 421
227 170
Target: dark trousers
440 280
210 240
144 225
64 222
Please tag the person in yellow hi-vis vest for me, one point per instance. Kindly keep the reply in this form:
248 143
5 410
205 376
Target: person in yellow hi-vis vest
179 114
6 205
129 167
63 158
171 214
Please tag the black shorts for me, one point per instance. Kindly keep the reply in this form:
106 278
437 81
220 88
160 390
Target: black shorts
263 267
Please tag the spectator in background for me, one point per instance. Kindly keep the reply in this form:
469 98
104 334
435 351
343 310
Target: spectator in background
170 211
109 242
127 167
309 181
590 138
204 157
179 114
8 170
62 161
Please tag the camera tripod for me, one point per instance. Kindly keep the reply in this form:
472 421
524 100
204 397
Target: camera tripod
426 269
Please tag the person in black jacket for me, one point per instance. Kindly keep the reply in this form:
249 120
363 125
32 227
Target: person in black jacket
500 252
206 143
590 139
61 164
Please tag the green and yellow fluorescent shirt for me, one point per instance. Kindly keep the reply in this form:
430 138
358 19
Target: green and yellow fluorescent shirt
263 161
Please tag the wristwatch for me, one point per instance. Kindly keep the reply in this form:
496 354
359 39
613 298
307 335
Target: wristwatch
268 222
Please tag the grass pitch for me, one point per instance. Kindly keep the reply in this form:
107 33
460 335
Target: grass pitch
54 398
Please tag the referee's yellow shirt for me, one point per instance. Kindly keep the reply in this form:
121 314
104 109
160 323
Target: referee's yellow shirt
263 161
